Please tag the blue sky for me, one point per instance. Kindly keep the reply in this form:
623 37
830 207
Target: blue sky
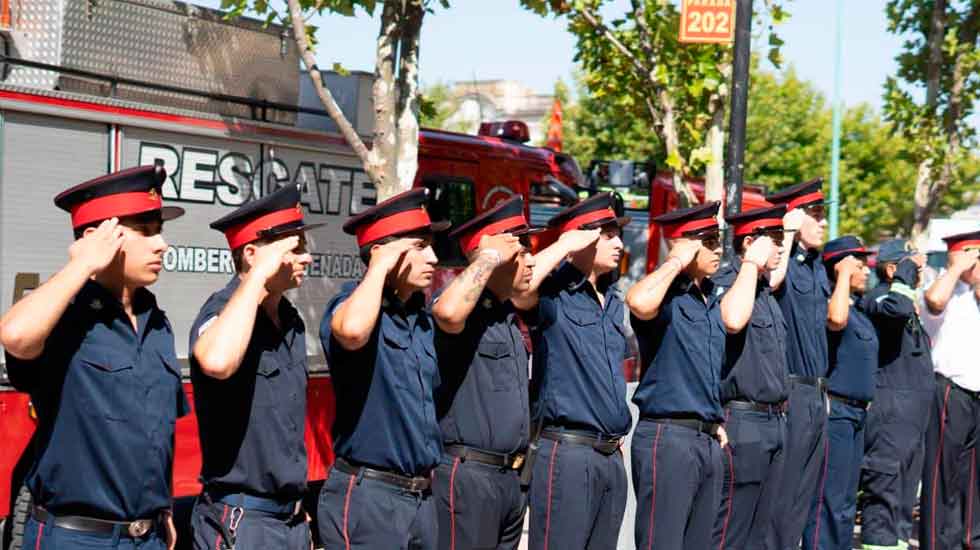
489 39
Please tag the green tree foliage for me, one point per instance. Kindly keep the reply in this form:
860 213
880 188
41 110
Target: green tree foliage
932 96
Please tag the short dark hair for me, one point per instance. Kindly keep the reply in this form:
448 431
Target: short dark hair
238 254
882 270
738 244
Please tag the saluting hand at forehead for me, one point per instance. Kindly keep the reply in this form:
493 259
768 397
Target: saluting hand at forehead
387 256
99 247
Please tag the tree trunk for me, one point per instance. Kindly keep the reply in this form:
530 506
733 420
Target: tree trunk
672 142
326 98
385 96
924 177
714 181
407 153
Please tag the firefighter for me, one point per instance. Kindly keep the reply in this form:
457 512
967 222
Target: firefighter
482 403
904 389
578 488
97 355
676 311
951 317
802 289
248 367
377 336
853 347
754 385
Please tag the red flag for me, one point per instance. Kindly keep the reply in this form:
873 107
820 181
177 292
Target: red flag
554 127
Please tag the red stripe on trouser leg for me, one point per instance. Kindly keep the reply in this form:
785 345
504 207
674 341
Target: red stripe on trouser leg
969 499
40 533
217 540
452 505
653 496
731 489
935 470
823 481
350 489
551 478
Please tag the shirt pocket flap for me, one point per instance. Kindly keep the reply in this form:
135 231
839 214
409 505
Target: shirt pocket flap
494 350
581 316
691 312
103 360
267 368
762 322
803 285
863 334
398 339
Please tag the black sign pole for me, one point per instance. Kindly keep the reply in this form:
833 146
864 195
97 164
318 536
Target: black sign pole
735 153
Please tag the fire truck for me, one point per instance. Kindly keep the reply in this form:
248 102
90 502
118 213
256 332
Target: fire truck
92 87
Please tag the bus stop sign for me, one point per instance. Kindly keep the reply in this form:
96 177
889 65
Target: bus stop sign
707 21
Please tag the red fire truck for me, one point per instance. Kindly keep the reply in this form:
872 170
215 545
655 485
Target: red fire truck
223 106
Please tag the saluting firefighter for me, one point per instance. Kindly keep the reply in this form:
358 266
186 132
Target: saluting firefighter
850 387
97 356
482 402
951 479
248 367
802 290
578 488
378 339
681 320
754 383
904 390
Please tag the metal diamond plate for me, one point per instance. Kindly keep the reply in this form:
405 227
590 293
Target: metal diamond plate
163 42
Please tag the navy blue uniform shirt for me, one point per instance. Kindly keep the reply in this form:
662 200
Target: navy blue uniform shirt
803 297
483 397
904 361
386 415
853 356
681 353
251 425
107 397
755 359
579 349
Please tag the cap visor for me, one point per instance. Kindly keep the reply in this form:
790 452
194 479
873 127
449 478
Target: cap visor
276 231
168 213
439 227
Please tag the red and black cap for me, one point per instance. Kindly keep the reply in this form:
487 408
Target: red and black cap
403 213
124 193
689 221
803 194
592 213
277 213
962 241
751 221
841 247
506 217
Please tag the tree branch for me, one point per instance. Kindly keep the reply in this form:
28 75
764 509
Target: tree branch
642 70
326 98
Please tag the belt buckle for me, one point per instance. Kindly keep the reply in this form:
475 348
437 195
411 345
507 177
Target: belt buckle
517 462
297 508
138 528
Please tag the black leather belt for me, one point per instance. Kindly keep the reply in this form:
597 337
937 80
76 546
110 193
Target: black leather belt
943 380
512 461
818 382
710 428
771 408
848 401
278 507
605 444
133 529
407 483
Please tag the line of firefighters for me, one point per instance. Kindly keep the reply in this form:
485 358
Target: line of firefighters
756 425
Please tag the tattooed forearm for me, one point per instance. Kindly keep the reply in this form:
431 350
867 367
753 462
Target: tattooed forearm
477 274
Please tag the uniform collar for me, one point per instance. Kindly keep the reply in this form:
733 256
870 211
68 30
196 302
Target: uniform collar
684 284
390 301
805 255
575 280
98 298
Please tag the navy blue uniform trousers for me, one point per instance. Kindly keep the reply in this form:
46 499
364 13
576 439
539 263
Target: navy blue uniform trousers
806 451
38 536
752 474
251 529
677 477
894 455
578 497
480 507
367 514
950 479
831 523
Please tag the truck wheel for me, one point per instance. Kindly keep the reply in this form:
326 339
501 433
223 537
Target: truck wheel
18 519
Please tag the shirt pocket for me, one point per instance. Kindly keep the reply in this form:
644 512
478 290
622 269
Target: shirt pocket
763 333
580 316
865 342
693 330
498 361
396 359
108 385
802 285
268 377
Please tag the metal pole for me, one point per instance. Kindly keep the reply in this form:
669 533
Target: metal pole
735 153
835 144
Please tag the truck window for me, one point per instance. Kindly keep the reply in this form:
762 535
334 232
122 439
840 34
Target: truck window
450 198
